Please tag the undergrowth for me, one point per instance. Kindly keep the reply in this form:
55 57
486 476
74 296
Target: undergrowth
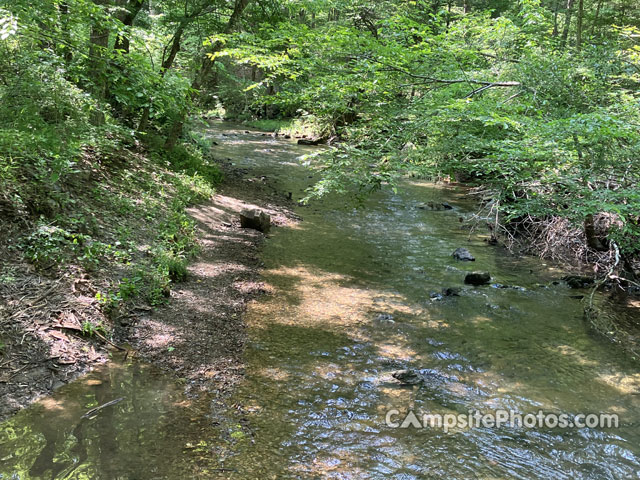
123 224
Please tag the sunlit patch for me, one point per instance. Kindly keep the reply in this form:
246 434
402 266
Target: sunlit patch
577 355
396 349
479 320
164 336
277 374
436 324
624 383
51 404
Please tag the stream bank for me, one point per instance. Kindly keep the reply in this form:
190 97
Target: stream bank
354 296
200 335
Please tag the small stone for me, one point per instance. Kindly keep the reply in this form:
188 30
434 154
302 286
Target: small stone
477 278
451 292
385 317
463 254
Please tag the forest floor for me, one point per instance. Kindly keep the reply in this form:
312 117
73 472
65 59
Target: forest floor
199 334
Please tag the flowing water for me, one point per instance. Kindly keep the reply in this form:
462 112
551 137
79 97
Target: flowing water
351 302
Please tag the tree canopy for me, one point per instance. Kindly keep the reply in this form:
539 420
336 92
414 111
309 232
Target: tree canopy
536 102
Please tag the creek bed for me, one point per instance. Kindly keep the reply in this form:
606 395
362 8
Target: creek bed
350 302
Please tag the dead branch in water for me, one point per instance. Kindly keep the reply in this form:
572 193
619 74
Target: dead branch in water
104 405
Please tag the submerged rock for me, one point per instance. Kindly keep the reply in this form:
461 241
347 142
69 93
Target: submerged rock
446 292
463 254
408 376
451 292
477 278
255 219
512 287
435 206
426 377
578 281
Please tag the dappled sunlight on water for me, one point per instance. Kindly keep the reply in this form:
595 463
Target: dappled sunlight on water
350 301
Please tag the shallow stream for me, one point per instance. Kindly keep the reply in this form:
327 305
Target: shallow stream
352 302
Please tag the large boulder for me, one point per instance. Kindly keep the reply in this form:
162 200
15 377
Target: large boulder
463 254
477 278
255 219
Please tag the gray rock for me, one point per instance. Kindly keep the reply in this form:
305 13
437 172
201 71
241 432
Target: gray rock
255 219
463 254
385 317
477 278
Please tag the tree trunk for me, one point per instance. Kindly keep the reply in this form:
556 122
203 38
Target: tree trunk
127 17
98 43
567 23
579 24
67 52
167 63
201 75
590 233
556 9
596 18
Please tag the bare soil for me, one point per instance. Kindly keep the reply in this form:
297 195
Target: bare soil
199 336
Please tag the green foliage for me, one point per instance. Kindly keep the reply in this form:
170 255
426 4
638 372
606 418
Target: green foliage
91 329
189 159
50 245
109 302
496 98
172 266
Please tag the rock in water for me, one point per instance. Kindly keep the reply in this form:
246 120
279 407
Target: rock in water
451 292
256 219
408 377
464 255
477 278
312 141
578 281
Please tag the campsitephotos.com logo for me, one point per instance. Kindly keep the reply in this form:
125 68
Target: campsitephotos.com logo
498 419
